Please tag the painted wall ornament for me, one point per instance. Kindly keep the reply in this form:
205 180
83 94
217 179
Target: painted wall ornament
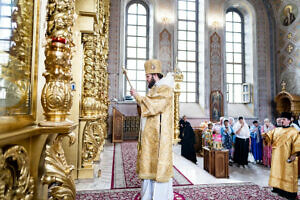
165 55
290 48
289 14
215 62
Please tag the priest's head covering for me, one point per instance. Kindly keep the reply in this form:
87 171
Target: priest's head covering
153 66
287 115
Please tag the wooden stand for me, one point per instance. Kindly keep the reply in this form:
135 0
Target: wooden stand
126 126
198 140
118 120
216 162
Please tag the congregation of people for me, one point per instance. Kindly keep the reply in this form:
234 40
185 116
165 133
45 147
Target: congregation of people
253 143
244 142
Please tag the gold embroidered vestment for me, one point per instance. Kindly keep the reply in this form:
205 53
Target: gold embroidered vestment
285 142
155 160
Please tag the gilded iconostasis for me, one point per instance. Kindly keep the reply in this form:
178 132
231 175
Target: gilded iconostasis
61 76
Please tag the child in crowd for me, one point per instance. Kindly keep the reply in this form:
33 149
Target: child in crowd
207 135
217 140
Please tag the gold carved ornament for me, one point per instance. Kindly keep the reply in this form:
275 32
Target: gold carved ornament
99 134
91 142
178 77
90 104
56 95
95 87
15 179
106 50
57 174
100 69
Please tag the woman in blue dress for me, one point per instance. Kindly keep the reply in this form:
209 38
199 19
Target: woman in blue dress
256 142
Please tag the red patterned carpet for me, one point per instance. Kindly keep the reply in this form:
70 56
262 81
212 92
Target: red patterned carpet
237 191
124 168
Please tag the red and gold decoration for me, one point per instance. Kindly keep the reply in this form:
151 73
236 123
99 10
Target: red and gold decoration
56 95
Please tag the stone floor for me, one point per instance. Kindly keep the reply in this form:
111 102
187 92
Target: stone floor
105 165
257 174
197 175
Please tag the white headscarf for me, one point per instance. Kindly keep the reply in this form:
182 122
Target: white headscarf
231 118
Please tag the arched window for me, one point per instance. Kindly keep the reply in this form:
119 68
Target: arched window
137 44
187 48
235 55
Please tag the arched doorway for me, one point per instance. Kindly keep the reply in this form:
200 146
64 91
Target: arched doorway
286 102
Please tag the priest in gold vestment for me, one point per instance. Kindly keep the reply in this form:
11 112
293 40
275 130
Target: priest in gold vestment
155 162
285 143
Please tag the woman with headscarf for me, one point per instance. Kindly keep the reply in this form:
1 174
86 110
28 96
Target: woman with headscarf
227 133
256 142
231 123
182 124
267 148
187 143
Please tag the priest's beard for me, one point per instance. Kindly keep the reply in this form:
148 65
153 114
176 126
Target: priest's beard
152 83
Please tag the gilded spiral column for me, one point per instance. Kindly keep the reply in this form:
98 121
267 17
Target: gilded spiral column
56 95
94 113
90 113
105 38
90 104
178 76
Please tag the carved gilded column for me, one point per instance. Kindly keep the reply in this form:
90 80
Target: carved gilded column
15 179
95 101
57 174
105 37
178 77
90 104
56 95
